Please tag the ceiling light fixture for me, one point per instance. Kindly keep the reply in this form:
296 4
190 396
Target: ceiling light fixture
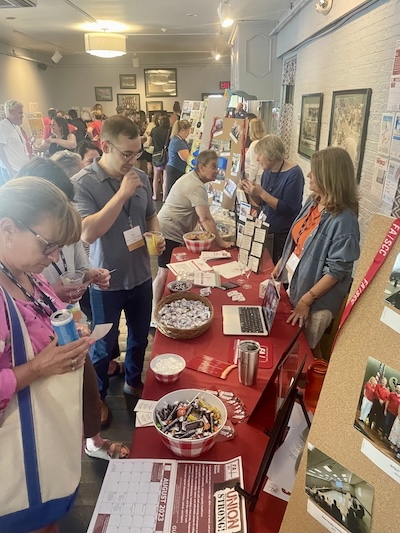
224 14
56 57
324 6
135 61
105 44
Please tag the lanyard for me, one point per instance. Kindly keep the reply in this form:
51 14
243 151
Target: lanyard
271 186
39 306
127 210
64 264
380 257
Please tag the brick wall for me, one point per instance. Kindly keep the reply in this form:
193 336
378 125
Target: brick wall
355 56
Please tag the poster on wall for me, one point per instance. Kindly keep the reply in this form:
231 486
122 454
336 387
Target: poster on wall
395 146
379 176
385 135
349 122
379 423
391 182
338 498
394 84
310 124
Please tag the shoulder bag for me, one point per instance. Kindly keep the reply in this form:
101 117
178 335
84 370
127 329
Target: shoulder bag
160 159
40 442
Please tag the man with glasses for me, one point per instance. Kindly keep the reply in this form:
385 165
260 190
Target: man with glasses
185 206
114 200
13 144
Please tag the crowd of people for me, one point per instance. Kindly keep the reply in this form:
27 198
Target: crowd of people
98 222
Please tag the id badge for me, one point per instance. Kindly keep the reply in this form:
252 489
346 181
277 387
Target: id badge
133 238
291 266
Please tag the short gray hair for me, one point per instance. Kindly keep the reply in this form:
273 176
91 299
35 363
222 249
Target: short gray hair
10 105
70 162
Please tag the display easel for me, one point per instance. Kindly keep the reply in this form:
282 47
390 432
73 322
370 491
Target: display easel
276 437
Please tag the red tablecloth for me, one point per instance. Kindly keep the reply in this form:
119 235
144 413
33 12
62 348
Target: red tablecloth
250 441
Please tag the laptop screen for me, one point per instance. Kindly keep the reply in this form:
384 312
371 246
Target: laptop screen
270 303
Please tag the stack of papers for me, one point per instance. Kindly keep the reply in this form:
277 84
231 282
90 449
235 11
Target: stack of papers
187 267
144 413
221 254
207 279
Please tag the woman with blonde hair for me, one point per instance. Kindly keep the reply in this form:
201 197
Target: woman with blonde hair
323 244
40 381
281 191
178 153
253 167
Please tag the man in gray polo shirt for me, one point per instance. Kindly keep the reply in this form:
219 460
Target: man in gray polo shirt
115 202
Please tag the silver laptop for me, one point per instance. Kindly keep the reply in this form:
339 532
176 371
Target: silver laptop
252 319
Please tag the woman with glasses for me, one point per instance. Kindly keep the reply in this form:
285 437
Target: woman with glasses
36 220
61 138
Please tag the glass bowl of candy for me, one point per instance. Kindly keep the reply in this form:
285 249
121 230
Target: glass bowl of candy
179 285
189 421
167 367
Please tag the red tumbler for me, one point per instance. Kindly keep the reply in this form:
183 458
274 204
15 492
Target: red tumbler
315 378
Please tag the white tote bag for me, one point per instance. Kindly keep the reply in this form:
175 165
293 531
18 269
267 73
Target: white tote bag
40 442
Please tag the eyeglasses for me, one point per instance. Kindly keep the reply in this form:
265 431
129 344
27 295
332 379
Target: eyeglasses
129 156
50 247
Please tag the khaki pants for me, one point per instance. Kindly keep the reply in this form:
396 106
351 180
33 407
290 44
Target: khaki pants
316 325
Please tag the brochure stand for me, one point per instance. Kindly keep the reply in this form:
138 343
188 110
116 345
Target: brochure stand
276 437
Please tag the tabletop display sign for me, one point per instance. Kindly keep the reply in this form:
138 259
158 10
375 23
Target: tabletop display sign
168 496
251 238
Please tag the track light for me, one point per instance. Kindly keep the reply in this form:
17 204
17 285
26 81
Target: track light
56 57
224 14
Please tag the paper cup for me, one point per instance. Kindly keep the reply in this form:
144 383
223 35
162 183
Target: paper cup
72 278
152 238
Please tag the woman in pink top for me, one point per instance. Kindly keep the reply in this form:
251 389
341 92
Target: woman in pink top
36 220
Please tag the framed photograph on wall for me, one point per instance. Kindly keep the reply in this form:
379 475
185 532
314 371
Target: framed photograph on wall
103 94
310 123
129 101
160 82
155 105
349 123
127 81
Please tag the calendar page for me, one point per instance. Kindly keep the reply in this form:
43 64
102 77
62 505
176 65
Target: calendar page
167 496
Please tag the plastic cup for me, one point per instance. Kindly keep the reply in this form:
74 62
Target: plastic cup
72 279
152 238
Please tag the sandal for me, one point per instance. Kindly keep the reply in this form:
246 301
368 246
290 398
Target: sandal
119 451
115 368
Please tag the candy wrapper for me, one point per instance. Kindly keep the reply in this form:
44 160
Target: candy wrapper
235 407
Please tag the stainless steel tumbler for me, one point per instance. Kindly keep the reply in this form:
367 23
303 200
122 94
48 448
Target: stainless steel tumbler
248 353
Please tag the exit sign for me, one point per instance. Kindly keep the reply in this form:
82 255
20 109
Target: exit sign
224 85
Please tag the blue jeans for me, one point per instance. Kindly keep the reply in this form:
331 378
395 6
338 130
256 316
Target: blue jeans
106 308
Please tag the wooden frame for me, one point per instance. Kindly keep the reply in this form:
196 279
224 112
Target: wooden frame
349 123
129 101
103 94
127 81
155 105
160 82
310 124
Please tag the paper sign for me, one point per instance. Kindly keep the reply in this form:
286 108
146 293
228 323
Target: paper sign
383 462
324 519
100 331
257 249
145 406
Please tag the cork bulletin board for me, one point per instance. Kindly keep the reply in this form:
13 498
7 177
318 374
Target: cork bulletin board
363 336
228 139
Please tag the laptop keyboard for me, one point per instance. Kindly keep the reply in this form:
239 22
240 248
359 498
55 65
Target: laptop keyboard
250 320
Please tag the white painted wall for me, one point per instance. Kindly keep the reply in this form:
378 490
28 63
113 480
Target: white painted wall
357 55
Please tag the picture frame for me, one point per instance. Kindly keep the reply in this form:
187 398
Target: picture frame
155 105
103 94
310 124
349 123
129 101
160 82
127 81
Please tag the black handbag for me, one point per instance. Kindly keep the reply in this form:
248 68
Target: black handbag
160 159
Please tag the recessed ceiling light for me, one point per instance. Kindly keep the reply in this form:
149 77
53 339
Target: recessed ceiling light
192 15
163 30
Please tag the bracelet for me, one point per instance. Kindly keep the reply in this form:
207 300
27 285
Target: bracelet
313 294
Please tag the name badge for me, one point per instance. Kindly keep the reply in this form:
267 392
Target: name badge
291 266
133 238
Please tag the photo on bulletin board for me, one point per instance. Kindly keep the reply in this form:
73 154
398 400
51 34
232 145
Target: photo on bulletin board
391 298
310 124
349 123
129 101
338 498
377 415
385 134
103 94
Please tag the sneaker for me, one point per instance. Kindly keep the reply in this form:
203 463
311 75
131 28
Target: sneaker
133 391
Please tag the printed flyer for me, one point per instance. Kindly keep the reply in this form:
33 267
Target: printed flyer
167 496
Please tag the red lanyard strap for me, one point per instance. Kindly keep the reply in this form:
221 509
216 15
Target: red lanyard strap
380 257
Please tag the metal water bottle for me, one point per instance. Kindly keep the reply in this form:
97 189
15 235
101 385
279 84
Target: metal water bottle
248 354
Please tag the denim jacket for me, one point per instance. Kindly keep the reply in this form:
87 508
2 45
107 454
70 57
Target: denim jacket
331 248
